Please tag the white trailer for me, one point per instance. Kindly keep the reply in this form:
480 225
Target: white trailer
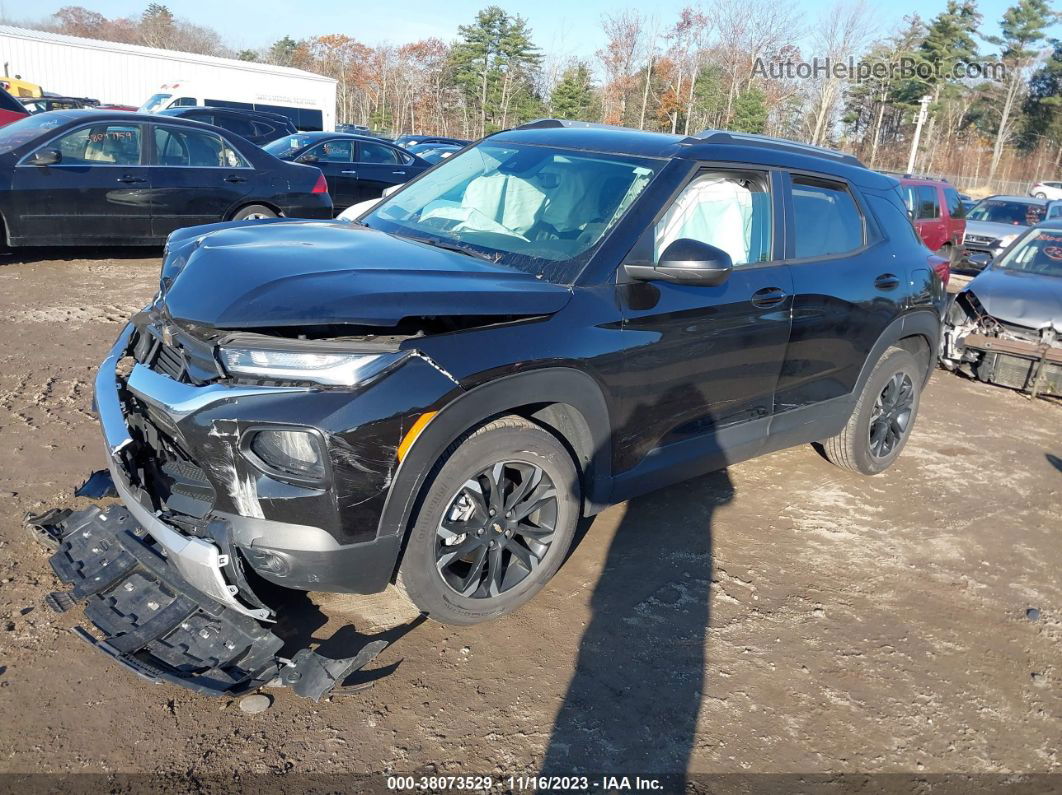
128 74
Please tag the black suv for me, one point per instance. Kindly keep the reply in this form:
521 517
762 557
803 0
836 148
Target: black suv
559 318
258 127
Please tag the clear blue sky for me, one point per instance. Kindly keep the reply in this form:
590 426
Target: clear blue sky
565 26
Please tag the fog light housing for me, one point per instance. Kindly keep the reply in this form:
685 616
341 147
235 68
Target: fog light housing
296 455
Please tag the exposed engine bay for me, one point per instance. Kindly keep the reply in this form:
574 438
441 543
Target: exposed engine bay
996 351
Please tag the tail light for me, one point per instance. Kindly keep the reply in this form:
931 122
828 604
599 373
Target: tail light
942 267
321 186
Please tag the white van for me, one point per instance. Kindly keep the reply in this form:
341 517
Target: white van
310 106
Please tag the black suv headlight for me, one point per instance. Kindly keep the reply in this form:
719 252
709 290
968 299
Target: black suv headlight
322 367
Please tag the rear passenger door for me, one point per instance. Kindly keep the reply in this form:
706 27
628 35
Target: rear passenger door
197 177
335 158
847 289
931 227
379 167
956 216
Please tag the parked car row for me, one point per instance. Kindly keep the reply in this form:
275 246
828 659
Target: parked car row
357 167
969 233
118 178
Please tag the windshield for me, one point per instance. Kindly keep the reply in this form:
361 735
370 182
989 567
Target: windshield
1039 252
14 135
538 209
155 102
289 145
1007 212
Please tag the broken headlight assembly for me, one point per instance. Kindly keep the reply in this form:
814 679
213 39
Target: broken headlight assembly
292 454
330 368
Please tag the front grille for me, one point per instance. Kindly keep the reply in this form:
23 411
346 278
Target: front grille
170 361
180 356
979 240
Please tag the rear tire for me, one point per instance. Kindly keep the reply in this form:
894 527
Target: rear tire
253 212
464 565
883 416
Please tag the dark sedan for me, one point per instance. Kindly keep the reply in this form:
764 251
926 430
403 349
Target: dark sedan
258 127
83 177
358 167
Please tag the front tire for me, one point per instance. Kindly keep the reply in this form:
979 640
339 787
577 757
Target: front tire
883 416
1040 195
253 212
495 524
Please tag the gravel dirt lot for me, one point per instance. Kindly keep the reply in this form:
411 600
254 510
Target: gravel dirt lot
781 616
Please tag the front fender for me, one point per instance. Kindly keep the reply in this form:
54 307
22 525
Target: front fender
468 410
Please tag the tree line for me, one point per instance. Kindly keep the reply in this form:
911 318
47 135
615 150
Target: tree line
726 64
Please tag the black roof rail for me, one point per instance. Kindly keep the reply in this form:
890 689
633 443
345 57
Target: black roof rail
768 142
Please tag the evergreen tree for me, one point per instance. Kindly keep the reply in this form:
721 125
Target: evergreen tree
750 112
494 65
1043 107
573 95
1022 27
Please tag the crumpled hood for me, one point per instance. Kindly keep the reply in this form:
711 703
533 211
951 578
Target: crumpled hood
993 229
1024 299
295 273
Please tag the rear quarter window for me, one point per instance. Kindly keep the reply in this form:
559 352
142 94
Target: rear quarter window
891 213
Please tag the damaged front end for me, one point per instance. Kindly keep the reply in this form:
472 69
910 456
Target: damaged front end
171 577
996 351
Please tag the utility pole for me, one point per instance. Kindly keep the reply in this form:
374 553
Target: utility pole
923 111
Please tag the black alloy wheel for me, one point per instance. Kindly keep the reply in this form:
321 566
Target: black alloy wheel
497 529
891 417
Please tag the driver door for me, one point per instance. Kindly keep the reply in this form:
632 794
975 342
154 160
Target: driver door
99 191
703 381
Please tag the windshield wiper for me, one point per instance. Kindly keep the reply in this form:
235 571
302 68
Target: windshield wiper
460 248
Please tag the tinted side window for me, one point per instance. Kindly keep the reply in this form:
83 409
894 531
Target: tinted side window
266 131
184 102
235 124
310 120
376 153
333 151
955 208
890 211
195 149
727 210
928 206
224 103
826 219
104 144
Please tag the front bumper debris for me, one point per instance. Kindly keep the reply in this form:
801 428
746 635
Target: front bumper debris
157 625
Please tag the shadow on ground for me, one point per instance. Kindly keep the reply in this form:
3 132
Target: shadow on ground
633 703
32 254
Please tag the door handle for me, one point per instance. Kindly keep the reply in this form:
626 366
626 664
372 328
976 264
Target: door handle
234 178
352 173
398 172
768 296
128 180
887 281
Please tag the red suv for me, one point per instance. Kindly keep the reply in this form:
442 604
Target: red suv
10 109
938 214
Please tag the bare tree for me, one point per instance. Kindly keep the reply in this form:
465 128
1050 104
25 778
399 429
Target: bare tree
841 33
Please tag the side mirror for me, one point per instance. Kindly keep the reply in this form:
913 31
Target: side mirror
687 261
45 157
306 159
